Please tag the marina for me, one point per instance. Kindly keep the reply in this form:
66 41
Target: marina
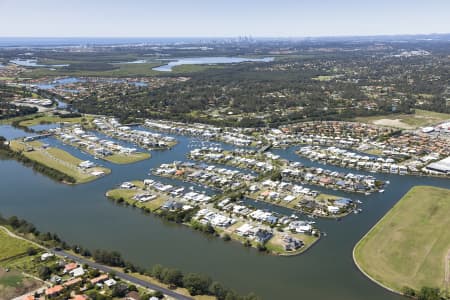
89 200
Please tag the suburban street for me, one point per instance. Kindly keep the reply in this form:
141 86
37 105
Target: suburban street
121 275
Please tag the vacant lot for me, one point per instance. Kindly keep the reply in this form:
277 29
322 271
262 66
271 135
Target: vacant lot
48 119
419 119
409 245
57 159
127 158
10 246
13 284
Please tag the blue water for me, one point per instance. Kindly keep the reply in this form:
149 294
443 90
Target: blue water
33 63
208 60
82 215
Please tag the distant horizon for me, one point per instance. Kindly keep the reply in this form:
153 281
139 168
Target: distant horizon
229 37
221 18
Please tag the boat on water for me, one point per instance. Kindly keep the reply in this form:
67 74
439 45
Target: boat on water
357 211
381 191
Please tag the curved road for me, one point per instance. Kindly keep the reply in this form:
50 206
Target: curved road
121 275
104 268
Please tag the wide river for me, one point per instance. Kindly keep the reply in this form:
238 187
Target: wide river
82 215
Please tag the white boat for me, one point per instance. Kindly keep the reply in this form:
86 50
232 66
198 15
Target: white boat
381 191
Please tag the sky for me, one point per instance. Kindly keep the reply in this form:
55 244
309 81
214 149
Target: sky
221 18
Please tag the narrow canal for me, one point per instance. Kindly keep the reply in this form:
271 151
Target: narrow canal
82 215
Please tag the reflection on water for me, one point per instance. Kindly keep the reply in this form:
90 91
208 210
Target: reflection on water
208 60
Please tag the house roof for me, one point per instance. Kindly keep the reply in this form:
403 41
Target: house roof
54 290
72 282
70 267
99 278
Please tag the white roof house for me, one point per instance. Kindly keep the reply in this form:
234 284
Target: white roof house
77 272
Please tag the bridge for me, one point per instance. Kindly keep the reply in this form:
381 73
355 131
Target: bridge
265 148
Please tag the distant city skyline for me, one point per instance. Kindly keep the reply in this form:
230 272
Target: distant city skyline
220 18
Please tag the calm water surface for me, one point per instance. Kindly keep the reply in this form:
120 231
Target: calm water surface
82 215
208 60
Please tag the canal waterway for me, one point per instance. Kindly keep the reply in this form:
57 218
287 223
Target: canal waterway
82 215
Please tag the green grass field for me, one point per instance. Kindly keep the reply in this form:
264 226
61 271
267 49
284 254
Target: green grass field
13 280
128 195
419 119
409 245
47 119
10 246
127 159
58 159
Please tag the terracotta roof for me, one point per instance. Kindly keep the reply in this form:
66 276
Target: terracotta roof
72 282
99 278
70 267
79 297
54 290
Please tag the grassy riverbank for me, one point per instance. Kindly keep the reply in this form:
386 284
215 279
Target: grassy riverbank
10 247
57 159
52 119
409 246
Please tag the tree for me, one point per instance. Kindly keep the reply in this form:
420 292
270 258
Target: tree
132 288
276 176
226 237
218 290
44 272
157 294
31 251
157 271
173 277
428 293
408 292
197 284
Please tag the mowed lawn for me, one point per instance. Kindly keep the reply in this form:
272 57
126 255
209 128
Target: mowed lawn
11 246
57 159
408 247
47 119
